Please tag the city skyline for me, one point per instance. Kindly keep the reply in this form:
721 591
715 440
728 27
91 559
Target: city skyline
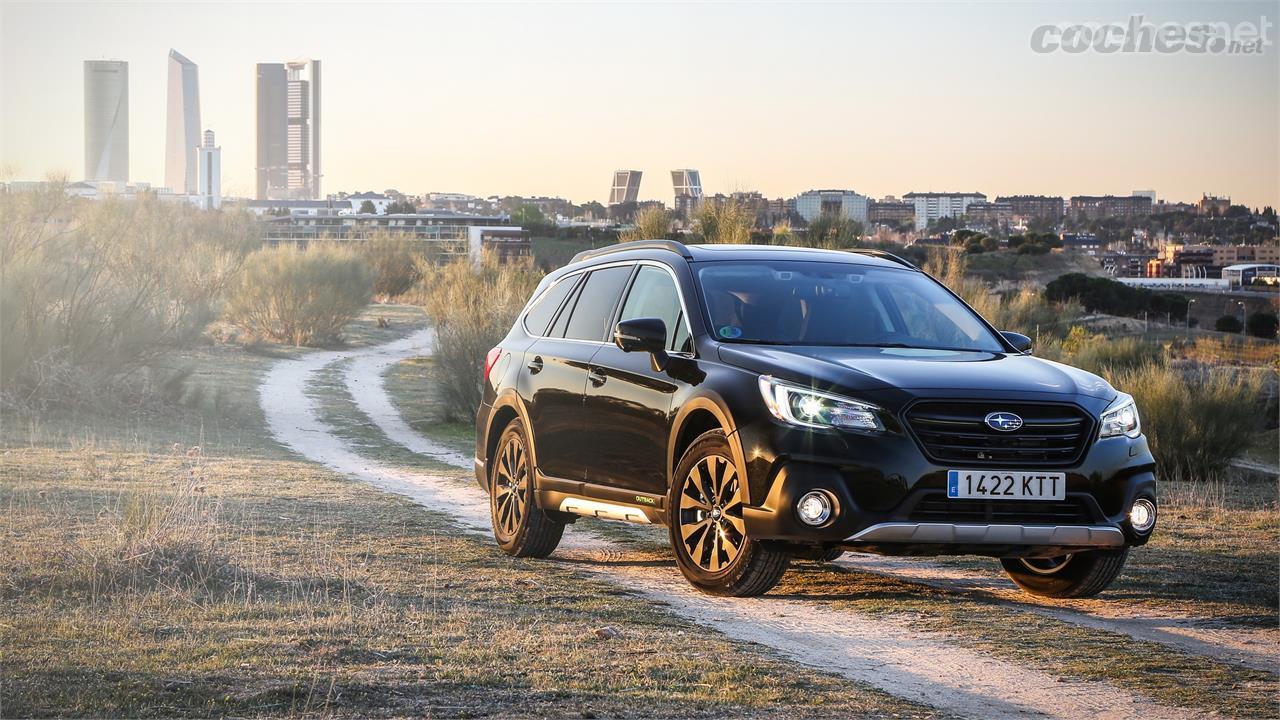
527 117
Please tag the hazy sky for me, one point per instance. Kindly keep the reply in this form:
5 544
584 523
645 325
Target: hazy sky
550 99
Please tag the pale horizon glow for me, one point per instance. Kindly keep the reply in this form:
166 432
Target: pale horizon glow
487 99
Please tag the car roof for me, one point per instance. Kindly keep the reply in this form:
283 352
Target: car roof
668 250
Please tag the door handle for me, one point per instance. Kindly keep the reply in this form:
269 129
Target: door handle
596 376
535 365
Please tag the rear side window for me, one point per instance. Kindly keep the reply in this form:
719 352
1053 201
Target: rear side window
594 304
539 316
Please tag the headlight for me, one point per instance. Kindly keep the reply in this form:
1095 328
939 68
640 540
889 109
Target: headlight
810 408
1122 419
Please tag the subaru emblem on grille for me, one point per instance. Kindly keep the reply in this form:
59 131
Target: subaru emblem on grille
1003 421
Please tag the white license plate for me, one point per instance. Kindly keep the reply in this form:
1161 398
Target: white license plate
1006 485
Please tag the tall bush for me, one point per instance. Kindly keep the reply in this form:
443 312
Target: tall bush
471 307
93 291
300 296
1196 421
394 262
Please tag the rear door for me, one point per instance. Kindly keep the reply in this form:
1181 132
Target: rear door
556 370
628 402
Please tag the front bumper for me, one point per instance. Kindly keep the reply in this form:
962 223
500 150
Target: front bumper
889 498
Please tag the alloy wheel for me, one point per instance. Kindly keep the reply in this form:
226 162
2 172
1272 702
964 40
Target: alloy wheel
710 514
509 486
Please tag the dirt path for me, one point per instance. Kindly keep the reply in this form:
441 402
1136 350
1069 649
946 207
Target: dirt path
886 654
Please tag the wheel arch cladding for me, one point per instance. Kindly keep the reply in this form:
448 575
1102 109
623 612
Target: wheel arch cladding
697 416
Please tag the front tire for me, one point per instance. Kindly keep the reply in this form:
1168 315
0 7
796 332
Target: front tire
1079 575
521 528
708 534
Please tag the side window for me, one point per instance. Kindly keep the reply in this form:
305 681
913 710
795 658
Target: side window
539 316
653 294
594 305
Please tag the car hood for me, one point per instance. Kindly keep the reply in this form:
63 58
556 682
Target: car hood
869 369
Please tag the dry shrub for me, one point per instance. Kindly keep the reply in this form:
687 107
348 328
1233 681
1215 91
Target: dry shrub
652 223
472 308
1197 419
1023 311
723 223
394 263
94 291
1099 354
300 296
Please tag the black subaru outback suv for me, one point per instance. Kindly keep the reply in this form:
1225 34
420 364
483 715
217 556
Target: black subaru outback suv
765 403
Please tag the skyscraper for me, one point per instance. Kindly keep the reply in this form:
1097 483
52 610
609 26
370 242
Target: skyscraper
182 131
209 173
688 191
288 130
106 120
626 187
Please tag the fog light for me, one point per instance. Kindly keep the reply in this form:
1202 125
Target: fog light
1142 516
814 508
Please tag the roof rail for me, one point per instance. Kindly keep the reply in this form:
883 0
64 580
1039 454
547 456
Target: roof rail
884 255
670 245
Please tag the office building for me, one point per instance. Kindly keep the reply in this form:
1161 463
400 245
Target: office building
626 187
687 186
106 121
815 203
288 119
182 125
209 173
934 206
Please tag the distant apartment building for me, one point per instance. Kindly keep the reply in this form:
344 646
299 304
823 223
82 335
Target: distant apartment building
933 206
182 125
626 187
1087 243
106 121
208 165
1213 205
1100 207
288 130
890 211
1031 207
1164 206
991 215
815 203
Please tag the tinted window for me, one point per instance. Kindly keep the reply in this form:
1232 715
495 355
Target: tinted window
539 316
653 295
815 303
595 303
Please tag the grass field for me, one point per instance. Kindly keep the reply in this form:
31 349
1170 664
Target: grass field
177 562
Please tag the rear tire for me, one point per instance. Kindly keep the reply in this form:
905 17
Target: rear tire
1080 575
708 536
521 528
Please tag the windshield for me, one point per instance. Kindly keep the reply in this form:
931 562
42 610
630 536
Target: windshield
788 302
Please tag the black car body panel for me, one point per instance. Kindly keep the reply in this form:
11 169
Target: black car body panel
610 426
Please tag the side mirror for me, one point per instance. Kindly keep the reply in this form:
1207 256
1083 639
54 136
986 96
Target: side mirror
643 335
1020 342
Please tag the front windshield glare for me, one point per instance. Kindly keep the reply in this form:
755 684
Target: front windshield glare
842 304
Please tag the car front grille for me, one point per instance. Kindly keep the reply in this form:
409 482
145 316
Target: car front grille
937 507
1052 434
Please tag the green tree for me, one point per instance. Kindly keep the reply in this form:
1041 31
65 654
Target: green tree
1262 324
528 216
1228 323
401 206
368 207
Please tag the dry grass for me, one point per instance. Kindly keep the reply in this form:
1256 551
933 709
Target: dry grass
342 601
